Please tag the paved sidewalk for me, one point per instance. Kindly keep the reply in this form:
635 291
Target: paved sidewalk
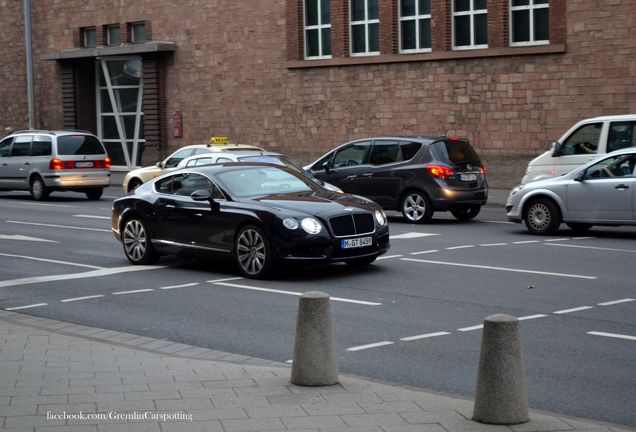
51 371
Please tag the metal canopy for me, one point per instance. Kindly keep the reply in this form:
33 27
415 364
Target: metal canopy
115 50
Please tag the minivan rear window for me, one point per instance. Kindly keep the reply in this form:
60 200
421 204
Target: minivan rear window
79 145
456 152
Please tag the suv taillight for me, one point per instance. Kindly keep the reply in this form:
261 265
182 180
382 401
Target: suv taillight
440 171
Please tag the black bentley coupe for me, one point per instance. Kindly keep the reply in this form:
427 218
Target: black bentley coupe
262 214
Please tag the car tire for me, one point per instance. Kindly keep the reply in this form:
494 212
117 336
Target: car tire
39 191
579 227
137 242
134 184
94 194
464 213
253 253
542 216
416 208
360 262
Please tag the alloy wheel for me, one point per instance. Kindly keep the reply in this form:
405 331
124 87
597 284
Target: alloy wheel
135 240
251 251
415 208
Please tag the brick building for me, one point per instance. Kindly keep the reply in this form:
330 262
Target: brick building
301 76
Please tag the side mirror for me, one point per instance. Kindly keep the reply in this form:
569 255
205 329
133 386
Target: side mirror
325 166
557 149
159 164
581 176
203 195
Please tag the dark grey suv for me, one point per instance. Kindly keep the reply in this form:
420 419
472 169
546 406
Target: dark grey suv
414 175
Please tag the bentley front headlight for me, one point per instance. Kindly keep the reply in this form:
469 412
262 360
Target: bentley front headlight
311 225
380 217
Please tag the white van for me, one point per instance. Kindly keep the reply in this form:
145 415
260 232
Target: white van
585 141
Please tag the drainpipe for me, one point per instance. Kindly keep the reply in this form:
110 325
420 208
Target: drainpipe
29 61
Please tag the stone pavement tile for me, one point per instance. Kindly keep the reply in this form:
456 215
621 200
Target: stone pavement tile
336 398
275 411
432 417
69 408
207 376
218 414
174 348
57 373
147 379
156 394
176 386
242 402
381 419
90 367
241 382
396 407
42 382
292 399
212 355
193 426
67 428
183 404
146 426
17 410
31 421
22 391
192 352
96 397
235 358
4 400
208 393
312 422
472 426
434 403
584 425
540 422
117 388
317 409
66 390
126 406
332 389
353 429
154 344
262 391
250 425
433 427
38 400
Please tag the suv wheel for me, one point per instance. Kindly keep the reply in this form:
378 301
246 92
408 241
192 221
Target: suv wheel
542 217
94 194
466 212
137 243
39 191
416 208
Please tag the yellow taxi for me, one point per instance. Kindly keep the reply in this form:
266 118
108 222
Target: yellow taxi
217 144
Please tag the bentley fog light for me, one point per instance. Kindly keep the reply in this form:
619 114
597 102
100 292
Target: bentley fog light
311 225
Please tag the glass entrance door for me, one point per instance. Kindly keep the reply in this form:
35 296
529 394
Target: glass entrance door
120 117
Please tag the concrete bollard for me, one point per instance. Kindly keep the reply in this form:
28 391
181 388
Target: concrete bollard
314 362
502 396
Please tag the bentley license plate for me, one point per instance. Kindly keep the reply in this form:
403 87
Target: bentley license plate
356 242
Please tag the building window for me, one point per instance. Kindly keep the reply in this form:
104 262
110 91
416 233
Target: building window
529 22
470 24
138 33
317 29
415 26
113 35
365 24
89 37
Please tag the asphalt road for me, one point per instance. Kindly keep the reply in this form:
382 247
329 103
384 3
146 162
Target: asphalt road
410 318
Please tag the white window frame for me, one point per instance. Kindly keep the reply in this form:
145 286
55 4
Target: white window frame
471 13
108 42
417 18
132 31
320 26
85 32
366 22
530 8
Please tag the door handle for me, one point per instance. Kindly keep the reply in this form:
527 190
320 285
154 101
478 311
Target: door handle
170 206
621 187
351 177
26 163
367 174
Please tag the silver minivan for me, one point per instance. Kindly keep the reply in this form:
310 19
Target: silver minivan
46 161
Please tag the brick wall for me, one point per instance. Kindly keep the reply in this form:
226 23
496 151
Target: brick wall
232 74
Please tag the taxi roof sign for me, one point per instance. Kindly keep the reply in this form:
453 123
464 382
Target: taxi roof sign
219 140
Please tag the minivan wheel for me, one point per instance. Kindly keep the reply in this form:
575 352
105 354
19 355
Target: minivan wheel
94 194
542 217
39 191
466 212
416 208
253 252
137 243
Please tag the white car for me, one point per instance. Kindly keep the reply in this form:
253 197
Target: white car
251 156
601 192
584 142
217 145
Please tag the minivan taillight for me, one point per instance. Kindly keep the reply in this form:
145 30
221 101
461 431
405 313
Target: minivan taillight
58 164
102 163
440 171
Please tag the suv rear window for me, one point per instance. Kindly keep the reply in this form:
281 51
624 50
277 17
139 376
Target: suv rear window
455 152
79 145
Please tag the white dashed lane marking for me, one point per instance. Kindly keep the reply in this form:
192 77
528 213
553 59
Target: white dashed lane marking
424 252
91 216
51 261
26 307
465 329
460 247
529 317
25 238
373 345
493 244
69 300
615 302
593 248
424 336
133 291
58 226
612 335
179 286
411 235
576 309
389 256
